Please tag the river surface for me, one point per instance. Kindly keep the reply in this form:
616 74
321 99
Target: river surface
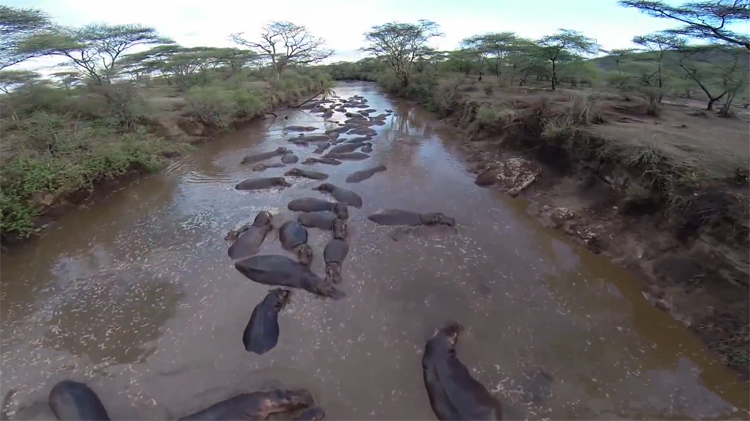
136 296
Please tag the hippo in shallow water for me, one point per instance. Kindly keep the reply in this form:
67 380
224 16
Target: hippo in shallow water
289 158
71 400
256 405
405 217
263 167
341 129
363 175
343 195
334 254
251 159
422 231
363 131
361 139
322 146
352 156
293 237
299 172
311 204
262 183
300 129
283 271
325 221
367 148
262 331
327 161
248 239
346 147
454 394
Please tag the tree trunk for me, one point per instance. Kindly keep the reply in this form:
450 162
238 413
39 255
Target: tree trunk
554 74
724 111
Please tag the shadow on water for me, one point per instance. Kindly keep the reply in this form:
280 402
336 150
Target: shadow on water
136 295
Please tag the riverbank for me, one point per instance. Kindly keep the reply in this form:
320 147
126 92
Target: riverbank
660 190
63 148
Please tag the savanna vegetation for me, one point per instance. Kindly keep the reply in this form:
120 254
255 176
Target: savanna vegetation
654 141
123 98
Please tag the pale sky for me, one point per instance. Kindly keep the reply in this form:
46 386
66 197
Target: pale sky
342 23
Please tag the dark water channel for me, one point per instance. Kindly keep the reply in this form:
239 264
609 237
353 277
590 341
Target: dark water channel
136 296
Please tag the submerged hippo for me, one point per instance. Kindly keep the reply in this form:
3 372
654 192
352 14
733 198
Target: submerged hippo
256 405
289 158
300 129
251 159
311 204
293 237
352 156
325 221
328 161
343 195
263 167
360 139
454 394
262 331
248 239
283 271
363 175
346 147
405 217
71 400
322 146
363 131
262 183
334 254
298 172
423 231
367 148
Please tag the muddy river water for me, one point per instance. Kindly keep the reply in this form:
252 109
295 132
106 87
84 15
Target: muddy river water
136 296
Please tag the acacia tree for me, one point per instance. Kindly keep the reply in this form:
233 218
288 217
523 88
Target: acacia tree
286 44
94 49
16 26
399 44
565 45
659 45
67 78
10 79
707 20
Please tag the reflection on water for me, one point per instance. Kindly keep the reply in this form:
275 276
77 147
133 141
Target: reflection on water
136 296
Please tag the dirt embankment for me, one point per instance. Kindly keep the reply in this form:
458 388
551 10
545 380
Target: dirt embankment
663 193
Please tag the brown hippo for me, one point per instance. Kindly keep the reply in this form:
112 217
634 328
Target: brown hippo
342 195
255 406
404 217
454 394
327 161
311 204
293 237
363 175
71 400
251 159
298 172
352 156
248 239
282 271
334 254
263 167
325 221
262 183
262 331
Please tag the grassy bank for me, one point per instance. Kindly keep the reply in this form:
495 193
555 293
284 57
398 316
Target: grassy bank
58 143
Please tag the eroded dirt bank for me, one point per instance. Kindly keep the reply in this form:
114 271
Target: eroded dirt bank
686 238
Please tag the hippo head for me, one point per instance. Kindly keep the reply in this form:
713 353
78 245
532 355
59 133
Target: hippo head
450 330
293 172
333 273
437 218
324 187
263 218
305 254
282 297
325 288
285 401
283 183
339 229
341 211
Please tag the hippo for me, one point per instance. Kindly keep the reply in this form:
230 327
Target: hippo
298 172
405 217
317 138
262 183
256 405
323 160
355 120
322 146
302 141
342 195
346 147
289 158
361 139
314 413
248 239
283 271
340 130
454 394
328 114
71 400
422 231
380 117
300 129
363 131
377 122
362 175
367 148
263 167
293 237
311 204
332 136
334 254
353 156
325 221
251 159
262 331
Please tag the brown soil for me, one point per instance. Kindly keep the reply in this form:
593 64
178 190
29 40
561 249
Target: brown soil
664 196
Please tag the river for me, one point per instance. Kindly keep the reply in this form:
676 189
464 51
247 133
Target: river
136 296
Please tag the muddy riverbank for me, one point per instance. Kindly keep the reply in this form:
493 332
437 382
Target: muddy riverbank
136 295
